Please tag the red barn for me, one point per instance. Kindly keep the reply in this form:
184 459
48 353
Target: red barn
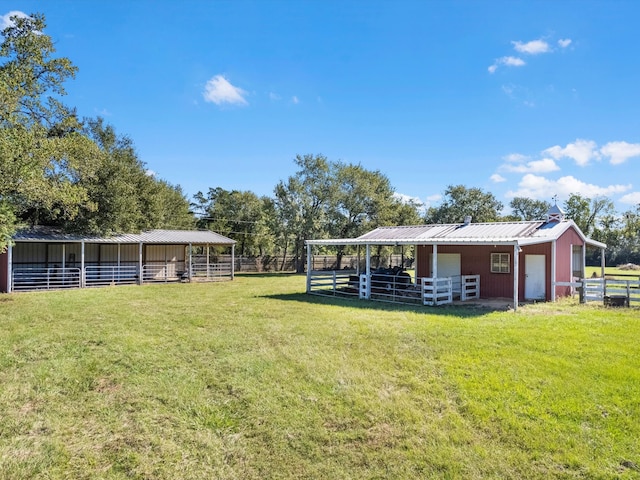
528 260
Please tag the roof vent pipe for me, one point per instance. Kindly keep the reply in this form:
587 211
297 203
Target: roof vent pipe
467 220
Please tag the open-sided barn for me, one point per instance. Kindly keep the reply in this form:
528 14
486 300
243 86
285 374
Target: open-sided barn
528 260
44 258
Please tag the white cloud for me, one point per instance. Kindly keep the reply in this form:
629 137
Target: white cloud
218 90
564 42
274 97
535 166
150 173
631 198
515 157
5 20
295 100
582 151
540 188
534 47
497 178
620 152
507 61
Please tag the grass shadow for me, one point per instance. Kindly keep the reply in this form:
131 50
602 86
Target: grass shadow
452 310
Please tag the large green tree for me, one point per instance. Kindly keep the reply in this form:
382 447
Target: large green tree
42 150
122 195
459 202
302 203
239 215
523 208
586 212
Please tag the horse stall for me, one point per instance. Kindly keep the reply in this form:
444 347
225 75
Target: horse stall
45 259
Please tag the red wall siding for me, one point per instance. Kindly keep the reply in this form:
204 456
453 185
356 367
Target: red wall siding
564 252
474 260
4 281
541 249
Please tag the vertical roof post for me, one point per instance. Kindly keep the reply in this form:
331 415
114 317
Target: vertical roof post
140 263
434 261
554 270
309 258
233 260
9 268
83 279
516 274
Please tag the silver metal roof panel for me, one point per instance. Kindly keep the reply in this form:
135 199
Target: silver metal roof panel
46 234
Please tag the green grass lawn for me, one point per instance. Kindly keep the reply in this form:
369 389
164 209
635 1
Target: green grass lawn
613 271
253 379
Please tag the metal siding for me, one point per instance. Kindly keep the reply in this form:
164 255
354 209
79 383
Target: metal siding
564 252
54 254
109 254
4 279
90 254
476 260
129 253
423 269
29 253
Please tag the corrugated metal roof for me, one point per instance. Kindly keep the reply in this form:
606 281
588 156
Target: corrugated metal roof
521 233
46 234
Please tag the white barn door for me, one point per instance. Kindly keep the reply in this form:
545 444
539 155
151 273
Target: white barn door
449 266
534 273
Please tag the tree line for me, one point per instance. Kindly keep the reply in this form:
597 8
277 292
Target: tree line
81 176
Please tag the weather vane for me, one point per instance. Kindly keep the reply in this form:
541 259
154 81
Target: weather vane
555 199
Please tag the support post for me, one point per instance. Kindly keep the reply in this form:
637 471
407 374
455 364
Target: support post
516 274
309 260
553 270
83 274
233 260
9 268
140 263
368 273
207 253
602 263
190 262
434 261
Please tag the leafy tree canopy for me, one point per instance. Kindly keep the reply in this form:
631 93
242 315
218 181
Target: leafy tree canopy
460 202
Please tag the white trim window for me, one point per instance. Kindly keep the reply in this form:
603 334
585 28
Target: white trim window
500 263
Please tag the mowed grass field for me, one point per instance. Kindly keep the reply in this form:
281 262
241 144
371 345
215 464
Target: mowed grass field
253 379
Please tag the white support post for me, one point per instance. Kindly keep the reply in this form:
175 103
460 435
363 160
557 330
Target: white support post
140 263
434 261
207 262
367 293
309 259
119 256
516 274
9 268
64 255
83 275
602 263
553 270
233 260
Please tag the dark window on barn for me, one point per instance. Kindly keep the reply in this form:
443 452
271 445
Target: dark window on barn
500 263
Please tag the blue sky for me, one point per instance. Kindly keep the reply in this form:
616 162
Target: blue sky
535 98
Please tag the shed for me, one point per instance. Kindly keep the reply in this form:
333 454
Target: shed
526 260
46 258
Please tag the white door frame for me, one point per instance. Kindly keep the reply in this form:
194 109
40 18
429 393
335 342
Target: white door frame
535 284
